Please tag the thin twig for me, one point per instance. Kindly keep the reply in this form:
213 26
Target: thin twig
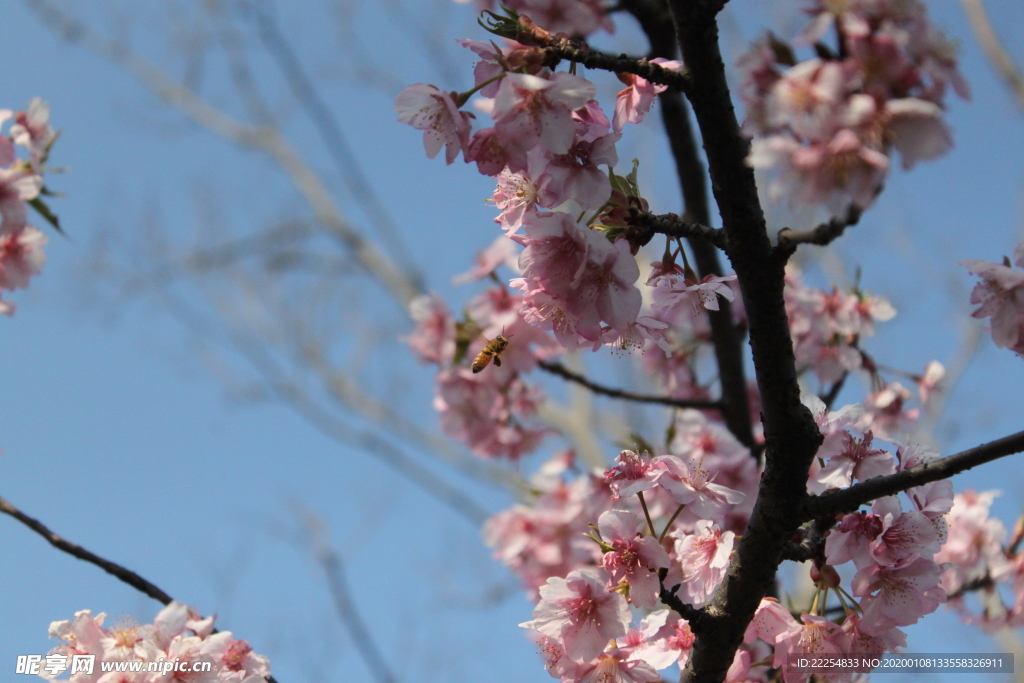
334 569
268 140
851 498
994 49
125 575
331 133
556 368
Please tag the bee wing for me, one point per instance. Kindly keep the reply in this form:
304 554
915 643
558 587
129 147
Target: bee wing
497 361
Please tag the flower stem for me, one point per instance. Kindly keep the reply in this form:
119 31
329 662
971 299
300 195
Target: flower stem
647 514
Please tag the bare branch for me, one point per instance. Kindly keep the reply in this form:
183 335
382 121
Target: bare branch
334 569
851 498
330 132
262 138
121 573
556 368
994 50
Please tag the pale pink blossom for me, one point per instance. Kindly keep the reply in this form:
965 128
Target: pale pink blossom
515 196
903 533
32 129
426 108
613 667
635 472
21 256
974 547
675 292
816 636
856 641
17 185
704 556
770 620
852 538
581 612
633 558
692 485
898 595
850 458
666 639
576 175
1000 296
635 100
501 252
885 413
487 412
433 340
531 110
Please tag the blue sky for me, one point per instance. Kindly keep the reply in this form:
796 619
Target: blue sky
119 433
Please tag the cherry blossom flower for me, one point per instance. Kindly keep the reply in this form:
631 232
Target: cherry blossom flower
32 129
903 533
515 195
1000 296
433 111
611 667
581 612
852 539
770 620
898 595
479 410
17 185
704 556
633 557
21 256
666 639
576 175
692 485
433 340
634 473
672 292
974 547
178 634
635 100
531 110
848 458
815 636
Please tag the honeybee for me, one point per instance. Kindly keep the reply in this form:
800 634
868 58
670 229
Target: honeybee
492 350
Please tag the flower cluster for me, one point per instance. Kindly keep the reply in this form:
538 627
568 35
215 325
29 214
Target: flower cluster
602 554
827 327
178 635
21 182
826 127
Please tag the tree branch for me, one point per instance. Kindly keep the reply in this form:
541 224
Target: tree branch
121 573
522 29
791 436
656 21
556 368
644 226
849 499
330 132
821 235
